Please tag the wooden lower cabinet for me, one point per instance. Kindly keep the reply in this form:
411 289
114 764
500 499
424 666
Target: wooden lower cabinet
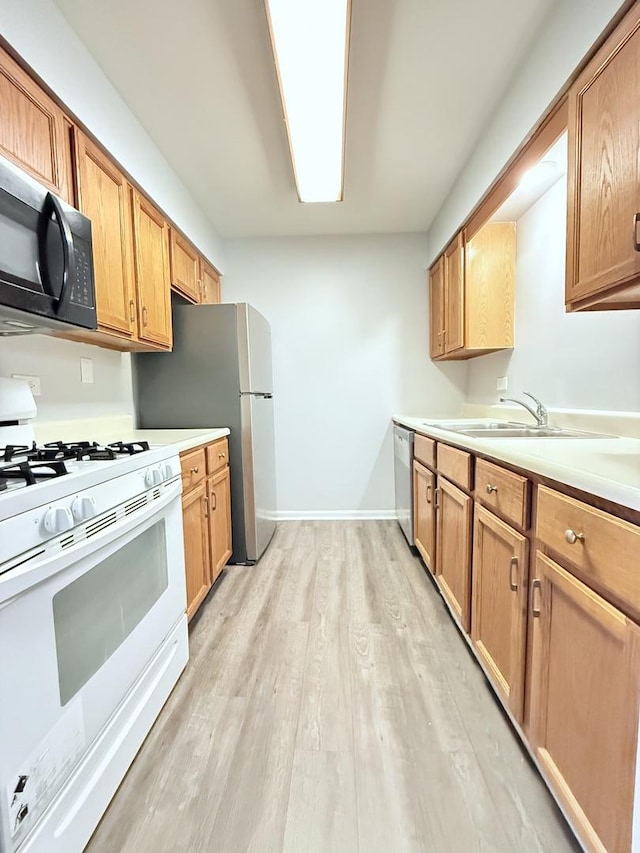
206 506
453 560
424 514
585 689
219 490
499 605
196 546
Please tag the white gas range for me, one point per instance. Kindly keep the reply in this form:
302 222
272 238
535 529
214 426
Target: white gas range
92 622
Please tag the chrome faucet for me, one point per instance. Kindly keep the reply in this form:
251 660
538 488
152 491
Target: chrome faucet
539 413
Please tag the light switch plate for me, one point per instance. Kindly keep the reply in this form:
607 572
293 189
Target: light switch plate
502 384
86 370
32 381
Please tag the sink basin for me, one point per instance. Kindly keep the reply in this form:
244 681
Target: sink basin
503 429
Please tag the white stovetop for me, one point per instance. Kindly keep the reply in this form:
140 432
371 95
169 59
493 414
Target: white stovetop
121 428
606 467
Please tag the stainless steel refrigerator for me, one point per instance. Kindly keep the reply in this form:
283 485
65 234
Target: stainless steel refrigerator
219 374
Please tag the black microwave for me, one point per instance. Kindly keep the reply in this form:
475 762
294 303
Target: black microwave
46 261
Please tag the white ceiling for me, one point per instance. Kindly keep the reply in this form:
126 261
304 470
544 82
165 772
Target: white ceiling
424 77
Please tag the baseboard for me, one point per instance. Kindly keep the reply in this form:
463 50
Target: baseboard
335 515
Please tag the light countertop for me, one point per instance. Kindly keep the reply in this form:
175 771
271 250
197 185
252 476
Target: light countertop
606 467
121 428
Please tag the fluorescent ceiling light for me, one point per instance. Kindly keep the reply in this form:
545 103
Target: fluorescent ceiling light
310 40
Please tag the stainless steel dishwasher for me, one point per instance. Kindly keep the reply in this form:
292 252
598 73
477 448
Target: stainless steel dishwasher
403 475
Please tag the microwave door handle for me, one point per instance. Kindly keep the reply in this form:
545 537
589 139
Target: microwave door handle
52 206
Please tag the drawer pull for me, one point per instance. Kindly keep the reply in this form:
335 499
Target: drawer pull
222 455
429 493
572 537
513 583
194 470
535 585
491 488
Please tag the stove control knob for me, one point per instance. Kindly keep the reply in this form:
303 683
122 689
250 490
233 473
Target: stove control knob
168 473
58 519
83 507
153 477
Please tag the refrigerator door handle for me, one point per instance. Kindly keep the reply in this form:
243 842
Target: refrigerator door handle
265 395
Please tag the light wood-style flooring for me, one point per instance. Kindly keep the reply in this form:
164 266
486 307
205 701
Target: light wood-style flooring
331 706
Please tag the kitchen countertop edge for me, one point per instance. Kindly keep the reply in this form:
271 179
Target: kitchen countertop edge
591 482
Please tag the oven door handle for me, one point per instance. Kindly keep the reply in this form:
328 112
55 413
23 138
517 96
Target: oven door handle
52 209
30 573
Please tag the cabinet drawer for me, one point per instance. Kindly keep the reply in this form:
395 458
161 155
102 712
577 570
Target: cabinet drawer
503 491
424 450
194 468
217 455
605 549
455 465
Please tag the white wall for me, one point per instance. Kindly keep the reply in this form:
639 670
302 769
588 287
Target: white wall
349 324
41 35
57 363
564 39
586 360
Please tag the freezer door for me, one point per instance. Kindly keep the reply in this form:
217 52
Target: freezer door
259 472
254 344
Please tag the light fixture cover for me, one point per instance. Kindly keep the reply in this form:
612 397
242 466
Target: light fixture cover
310 40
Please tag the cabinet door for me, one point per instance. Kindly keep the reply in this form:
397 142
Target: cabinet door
603 233
196 546
585 688
151 241
436 309
453 543
210 284
32 129
220 521
185 267
454 295
424 515
103 196
499 604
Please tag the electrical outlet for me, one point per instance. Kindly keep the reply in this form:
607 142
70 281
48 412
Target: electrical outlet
86 370
32 381
502 383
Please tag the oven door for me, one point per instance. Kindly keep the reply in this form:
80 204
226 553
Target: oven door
74 642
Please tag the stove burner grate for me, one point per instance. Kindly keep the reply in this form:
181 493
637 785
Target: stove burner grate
30 472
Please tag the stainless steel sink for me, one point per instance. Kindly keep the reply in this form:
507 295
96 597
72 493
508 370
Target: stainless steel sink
504 429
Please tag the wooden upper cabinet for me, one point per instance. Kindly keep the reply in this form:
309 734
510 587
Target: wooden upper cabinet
490 264
103 196
185 267
499 604
603 179
33 130
151 244
585 692
472 294
436 308
210 284
454 295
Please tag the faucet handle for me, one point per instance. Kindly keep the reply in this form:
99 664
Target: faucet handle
541 408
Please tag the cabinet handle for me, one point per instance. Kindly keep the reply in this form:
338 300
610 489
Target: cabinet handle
636 220
206 507
194 470
145 316
513 565
491 488
132 311
429 493
199 286
215 501
436 499
572 537
535 585
222 455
